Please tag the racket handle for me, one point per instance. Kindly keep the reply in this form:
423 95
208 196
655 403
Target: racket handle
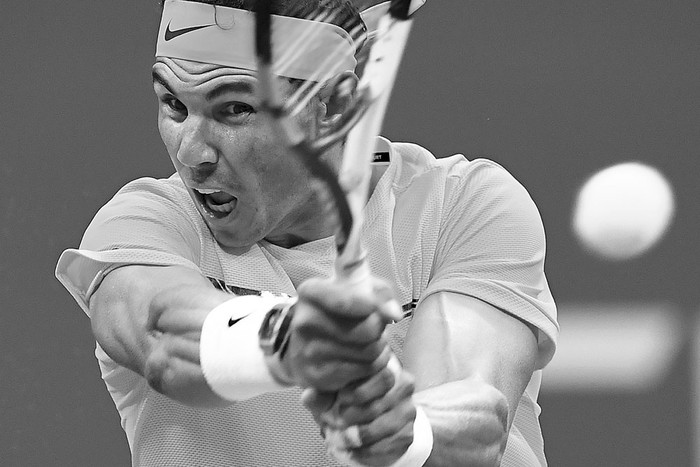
355 274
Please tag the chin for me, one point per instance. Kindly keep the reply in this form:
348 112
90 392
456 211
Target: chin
235 240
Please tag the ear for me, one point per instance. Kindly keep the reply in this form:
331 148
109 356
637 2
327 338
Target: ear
338 96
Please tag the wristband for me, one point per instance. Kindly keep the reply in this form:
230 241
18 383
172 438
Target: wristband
418 452
230 356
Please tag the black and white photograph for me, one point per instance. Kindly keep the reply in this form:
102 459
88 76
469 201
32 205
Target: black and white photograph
365 233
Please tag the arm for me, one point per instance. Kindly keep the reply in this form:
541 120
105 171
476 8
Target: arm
471 363
149 319
120 310
471 360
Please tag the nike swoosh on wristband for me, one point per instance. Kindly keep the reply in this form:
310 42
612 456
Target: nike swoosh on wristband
170 34
232 321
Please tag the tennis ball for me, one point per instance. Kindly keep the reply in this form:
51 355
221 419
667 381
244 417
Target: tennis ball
622 211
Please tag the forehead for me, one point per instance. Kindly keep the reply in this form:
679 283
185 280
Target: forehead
186 74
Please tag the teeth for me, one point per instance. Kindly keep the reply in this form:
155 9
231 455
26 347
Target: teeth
205 191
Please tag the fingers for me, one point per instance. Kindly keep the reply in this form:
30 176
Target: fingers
388 424
338 344
379 442
336 335
337 298
388 449
364 392
317 402
378 400
321 353
313 323
330 368
171 363
370 422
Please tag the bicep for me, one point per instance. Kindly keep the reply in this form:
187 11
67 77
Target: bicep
456 337
120 307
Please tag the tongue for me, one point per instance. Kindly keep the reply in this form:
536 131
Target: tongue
221 197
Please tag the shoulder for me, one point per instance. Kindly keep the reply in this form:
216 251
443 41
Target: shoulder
488 192
482 174
414 160
162 189
474 203
164 199
411 161
462 180
492 245
145 207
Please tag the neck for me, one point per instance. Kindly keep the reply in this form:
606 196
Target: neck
313 220
317 218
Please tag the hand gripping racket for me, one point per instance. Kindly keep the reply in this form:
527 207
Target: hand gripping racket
378 53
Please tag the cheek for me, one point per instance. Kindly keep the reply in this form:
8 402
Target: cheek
271 163
288 176
169 136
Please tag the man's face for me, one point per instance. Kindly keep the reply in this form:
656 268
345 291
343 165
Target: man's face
242 181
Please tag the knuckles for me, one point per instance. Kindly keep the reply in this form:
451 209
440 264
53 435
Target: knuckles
387 450
339 299
407 384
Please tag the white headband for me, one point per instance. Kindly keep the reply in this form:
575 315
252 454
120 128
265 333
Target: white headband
225 36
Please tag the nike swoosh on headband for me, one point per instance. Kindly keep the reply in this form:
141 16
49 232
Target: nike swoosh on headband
170 34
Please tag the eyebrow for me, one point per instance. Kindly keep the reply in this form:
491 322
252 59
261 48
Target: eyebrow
239 87
157 78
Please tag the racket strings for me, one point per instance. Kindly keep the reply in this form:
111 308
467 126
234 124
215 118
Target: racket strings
314 85
319 80
308 35
355 99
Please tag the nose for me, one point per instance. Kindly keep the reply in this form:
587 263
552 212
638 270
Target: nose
196 146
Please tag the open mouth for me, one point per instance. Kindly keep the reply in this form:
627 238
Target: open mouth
216 203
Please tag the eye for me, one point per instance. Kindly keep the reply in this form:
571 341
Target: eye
236 110
174 105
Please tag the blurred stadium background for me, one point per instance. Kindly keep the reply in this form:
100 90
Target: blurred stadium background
552 90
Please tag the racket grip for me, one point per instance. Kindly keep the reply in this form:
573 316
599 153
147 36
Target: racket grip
352 268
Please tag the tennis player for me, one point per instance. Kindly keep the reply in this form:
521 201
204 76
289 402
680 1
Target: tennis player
210 299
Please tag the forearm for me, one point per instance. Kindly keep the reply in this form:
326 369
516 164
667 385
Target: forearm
470 381
120 311
469 420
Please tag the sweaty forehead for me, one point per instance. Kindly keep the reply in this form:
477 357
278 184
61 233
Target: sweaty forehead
178 72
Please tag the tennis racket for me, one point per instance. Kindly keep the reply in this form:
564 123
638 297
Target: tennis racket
378 50
378 54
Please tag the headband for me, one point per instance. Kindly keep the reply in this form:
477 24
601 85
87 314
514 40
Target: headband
225 36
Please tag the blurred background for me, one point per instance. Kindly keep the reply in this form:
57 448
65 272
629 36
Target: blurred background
554 91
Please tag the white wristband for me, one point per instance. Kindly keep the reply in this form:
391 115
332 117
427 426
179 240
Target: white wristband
229 349
421 447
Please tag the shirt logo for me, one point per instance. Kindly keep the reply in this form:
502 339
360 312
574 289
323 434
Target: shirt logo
382 156
170 34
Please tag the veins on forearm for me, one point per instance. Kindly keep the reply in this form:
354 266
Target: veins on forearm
470 423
